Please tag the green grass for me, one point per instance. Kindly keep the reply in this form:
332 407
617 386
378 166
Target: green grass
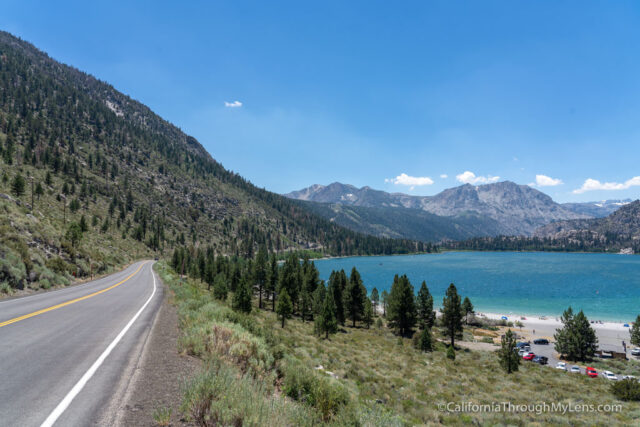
381 379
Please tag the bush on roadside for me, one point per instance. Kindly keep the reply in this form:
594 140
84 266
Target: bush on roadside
627 389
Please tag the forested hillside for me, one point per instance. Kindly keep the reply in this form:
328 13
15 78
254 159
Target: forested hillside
90 178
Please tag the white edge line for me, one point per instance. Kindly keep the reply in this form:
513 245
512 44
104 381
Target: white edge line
77 388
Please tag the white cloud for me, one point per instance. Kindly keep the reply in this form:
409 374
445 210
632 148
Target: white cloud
234 104
444 176
593 184
468 177
547 181
404 179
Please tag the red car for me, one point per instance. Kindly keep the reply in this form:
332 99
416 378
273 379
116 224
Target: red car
592 373
529 356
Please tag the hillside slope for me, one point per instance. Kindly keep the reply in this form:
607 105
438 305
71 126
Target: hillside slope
619 230
112 181
516 209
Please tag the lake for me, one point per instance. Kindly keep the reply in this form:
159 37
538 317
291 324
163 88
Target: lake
605 286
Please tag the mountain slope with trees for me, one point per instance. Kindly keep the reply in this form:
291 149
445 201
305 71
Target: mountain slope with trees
90 178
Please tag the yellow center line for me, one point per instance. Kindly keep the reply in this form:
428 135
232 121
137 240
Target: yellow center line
73 301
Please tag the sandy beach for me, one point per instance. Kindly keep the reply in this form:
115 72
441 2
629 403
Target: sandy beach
609 333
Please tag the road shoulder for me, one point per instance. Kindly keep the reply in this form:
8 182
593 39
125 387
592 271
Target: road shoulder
158 377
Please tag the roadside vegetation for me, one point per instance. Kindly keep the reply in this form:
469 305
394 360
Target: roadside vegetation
320 368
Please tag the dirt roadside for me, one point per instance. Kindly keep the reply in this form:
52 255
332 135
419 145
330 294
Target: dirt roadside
158 378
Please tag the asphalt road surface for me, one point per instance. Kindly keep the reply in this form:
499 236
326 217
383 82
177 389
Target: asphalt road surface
66 355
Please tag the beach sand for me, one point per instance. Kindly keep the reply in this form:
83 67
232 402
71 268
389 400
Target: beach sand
610 334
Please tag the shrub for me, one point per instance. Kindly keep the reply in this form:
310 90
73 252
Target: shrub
58 265
451 353
627 389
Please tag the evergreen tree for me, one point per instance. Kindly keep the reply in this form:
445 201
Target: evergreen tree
47 179
220 288
261 272
402 307
509 358
452 313
576 340
367 316
424 307
272 280
84 227
235 276
39 190
290 277
467 309
74 234
284 308
337 286
425 340
635 332
319 296
326 321
375 300
384 297
354 297
17 185
242 297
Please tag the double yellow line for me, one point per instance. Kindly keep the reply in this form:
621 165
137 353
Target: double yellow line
73 301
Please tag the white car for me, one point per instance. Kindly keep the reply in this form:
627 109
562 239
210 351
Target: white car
628 377
575 369
522 352
610 376
635 351
562 366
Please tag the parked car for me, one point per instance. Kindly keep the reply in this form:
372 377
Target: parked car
529 356
543 360
628 377
562 366
610 376
523 344
575 369
522 352
591 372
635 351
542 341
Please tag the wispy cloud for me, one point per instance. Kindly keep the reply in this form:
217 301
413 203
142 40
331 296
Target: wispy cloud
234 104
404 179
444 176
546 181
468 177
593 185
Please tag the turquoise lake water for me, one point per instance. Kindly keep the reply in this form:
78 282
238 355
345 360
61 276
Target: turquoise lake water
605 286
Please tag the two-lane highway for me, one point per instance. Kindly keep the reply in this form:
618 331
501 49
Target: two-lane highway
64 355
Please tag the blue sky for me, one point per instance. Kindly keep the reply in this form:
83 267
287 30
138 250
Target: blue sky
401 96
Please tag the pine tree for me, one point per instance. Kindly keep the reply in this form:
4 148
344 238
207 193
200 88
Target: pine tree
354 297
290 277
635 332
326 321
272 280
242 297
337 286
284 308
17 185
84 227
375 300
367 316
424 306
425 340
260 272
402 307
576 340
452 313
467 309
39 190
47 179
509 358
384 297
319 296
220 289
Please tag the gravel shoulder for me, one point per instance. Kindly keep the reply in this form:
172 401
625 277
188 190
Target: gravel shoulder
161 371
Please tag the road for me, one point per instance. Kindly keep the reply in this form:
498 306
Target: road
66 355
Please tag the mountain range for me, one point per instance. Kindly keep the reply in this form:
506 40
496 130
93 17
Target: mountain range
502 208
